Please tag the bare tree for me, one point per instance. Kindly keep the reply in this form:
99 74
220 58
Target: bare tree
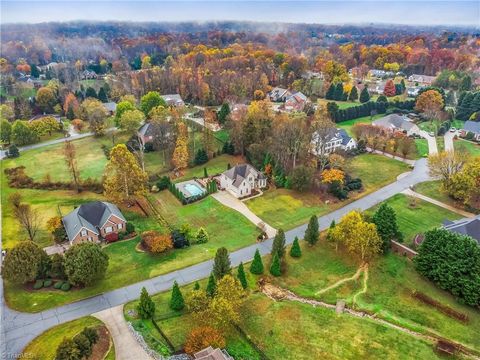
70 158
26 216
323 131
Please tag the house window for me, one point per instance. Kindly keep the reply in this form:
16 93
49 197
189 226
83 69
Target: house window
90 238
120 226
108 229
83 233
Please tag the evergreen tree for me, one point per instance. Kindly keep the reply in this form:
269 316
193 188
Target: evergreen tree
353 96
330 231
338 95
70 114
386 221
278 245
330 92
241 276
312 233
295 250
196 286
466 83
205 172
364 95
211 286
275 267
34 71
257 265
221 263
176 301
146 306
68 350
102 95
223 113
91 92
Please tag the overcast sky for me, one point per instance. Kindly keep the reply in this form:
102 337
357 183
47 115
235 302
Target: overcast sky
327 12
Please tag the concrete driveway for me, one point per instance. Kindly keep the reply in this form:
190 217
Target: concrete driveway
432 142
126 345
449 140
232 202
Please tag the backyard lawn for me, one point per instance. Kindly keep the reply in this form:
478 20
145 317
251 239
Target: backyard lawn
283 208
45 345
418 219
347 125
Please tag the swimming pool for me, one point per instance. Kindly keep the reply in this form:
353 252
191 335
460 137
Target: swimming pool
193 189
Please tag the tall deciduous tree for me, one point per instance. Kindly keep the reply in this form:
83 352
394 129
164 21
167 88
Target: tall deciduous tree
323 128
93 111
131 120
27 217
151 100
446 164
180 154
123 176
70 158
389 89
431 104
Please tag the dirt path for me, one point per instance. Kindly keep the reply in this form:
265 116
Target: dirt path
365 284
342 281
277 293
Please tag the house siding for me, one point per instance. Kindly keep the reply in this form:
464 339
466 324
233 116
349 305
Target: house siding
112 222
89 236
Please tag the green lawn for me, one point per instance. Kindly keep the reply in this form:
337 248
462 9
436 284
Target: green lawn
433 189
422 147
214 166
45 345
422 217
392 279
283 208
347 125
225 227
469 146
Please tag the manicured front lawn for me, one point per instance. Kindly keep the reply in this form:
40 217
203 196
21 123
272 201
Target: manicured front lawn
469 146
422 147
433 189
283 208
422 217
391 280
375 170
225 227
45 345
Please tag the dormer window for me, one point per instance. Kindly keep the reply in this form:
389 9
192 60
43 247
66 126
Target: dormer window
83 233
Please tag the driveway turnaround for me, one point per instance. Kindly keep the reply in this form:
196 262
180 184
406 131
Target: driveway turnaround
19 328
126 345
232 202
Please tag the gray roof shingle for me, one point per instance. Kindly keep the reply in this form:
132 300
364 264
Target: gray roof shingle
466 226
472 126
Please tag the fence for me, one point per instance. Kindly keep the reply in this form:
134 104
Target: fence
403 250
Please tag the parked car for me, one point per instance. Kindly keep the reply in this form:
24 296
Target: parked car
431 133
453 129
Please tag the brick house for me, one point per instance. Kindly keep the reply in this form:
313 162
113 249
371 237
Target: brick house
93 221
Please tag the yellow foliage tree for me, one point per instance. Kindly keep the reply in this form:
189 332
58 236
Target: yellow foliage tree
180 154
331 175
123 176
430 103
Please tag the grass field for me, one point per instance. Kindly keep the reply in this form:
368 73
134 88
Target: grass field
392 279
283 208
45 345
471 147
422 147
424 216
433 189
225 227
347 125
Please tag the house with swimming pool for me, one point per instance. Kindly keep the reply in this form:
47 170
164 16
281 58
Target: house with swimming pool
242 180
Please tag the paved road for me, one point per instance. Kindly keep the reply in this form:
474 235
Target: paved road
21 328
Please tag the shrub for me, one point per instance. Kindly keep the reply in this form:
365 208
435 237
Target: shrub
47 283
24 263
257 265
202 236
295 250
85 263
163 183
65 286
179 240
68 350
129 228
91 334
83 345
203 337
58 285
155 242
38 284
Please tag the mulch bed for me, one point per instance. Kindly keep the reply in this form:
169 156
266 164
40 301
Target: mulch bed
102 346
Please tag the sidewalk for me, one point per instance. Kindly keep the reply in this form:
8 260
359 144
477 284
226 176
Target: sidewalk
438 203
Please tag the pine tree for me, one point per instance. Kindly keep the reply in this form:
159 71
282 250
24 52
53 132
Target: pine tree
386 221
211 286
205 172
146 306
196 286
330 92
338 95
353 96
176 301
312 233
221 263
70 114
223 113
364 95
102 95
275 267
278 245
295 250
241 276
257 265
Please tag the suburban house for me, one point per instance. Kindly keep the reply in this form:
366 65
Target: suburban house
395 122
337 140
471 127
173 100
111 107
242 180
93 221
412 90
212 354
421 79
378 87
88 75
465 226
238 111
295 102
278 94
146 133
380 73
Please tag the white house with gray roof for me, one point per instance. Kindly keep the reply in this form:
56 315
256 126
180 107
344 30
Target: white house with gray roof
173 100
242 180
93 221
395 122
337 140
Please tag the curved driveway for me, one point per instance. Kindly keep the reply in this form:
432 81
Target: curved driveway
20 328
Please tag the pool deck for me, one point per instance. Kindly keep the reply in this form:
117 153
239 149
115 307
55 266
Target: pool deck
181 186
